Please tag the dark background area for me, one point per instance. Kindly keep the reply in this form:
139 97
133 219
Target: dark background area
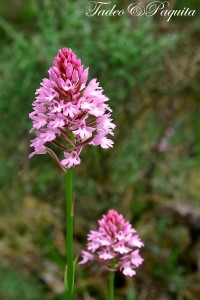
149 68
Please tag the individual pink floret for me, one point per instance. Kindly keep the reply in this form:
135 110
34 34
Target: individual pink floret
69 112
115 240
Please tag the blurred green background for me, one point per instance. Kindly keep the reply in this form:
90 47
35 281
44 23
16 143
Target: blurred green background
149 68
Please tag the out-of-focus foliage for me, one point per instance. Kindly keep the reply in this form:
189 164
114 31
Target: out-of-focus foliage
150 71
15 286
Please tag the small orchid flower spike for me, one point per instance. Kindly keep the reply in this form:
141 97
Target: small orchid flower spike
68 112
115 240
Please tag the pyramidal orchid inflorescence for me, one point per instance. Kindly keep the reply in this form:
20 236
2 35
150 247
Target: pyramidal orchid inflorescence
68 112
115 240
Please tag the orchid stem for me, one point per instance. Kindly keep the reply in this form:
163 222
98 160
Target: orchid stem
111 282
69 231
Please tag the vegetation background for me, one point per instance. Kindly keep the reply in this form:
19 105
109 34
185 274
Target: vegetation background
149 69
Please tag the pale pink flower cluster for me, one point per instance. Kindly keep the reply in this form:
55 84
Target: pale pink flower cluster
164 144
116 240
69 113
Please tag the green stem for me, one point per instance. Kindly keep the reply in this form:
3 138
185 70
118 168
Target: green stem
69 232
111 282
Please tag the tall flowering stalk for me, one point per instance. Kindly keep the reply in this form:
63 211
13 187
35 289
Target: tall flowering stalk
68 114
116 245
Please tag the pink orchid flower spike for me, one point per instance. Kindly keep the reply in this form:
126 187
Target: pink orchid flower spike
115 240
68 112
